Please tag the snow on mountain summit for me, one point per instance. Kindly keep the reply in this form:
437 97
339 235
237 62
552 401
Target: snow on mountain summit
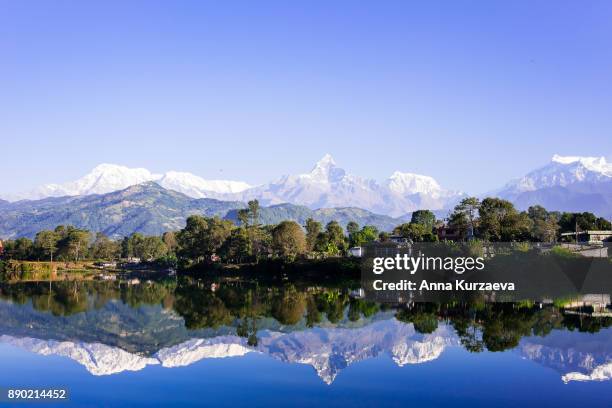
106 178
595 164
561 171
197 187
326 186
410 183
326 170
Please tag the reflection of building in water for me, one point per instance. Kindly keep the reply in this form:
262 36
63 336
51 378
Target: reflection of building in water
599 303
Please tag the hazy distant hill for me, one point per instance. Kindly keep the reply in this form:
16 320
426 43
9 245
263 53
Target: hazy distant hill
299 213
151 209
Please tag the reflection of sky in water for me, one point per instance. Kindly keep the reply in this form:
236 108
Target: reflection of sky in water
260 379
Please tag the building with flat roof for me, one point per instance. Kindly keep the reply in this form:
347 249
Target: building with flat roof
590 237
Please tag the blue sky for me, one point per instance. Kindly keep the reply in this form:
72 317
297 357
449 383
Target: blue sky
472 93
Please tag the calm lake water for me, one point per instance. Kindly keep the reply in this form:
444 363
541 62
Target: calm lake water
241 343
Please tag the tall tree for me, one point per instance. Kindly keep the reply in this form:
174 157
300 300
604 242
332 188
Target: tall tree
335 236
46 242
243 217
254 212
313 229
169 238
465 215
76 243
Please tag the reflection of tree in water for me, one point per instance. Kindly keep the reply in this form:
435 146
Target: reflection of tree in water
247 307
71 297
62 300
200 308
288 306
586 323
424 317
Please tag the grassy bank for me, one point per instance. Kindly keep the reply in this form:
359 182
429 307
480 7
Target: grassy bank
31 271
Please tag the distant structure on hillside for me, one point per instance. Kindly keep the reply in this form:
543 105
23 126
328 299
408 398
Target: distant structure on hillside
590 237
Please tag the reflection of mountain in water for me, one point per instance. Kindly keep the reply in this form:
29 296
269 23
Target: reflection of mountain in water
327 350
97 358
331 350
577 356
111 328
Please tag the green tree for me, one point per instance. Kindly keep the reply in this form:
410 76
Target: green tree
544 224
352 227
202 237
254 212
151 248
584 221
425 218
169 238
499 221
105 248
415 232
464 217
368 233
313 229
288 240
73 243
335 236
243 217
46 242
237 247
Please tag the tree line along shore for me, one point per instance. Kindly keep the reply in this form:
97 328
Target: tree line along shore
211 240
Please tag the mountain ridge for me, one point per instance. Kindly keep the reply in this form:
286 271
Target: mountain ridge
151 209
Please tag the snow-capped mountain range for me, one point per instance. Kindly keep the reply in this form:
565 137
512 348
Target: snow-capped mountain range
326 185
328 351
576 356
566 183
106 178
562 171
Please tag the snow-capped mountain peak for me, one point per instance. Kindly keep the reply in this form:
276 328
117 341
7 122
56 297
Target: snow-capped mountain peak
106 178
561 171
595 164
410 183
198 187
326 170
